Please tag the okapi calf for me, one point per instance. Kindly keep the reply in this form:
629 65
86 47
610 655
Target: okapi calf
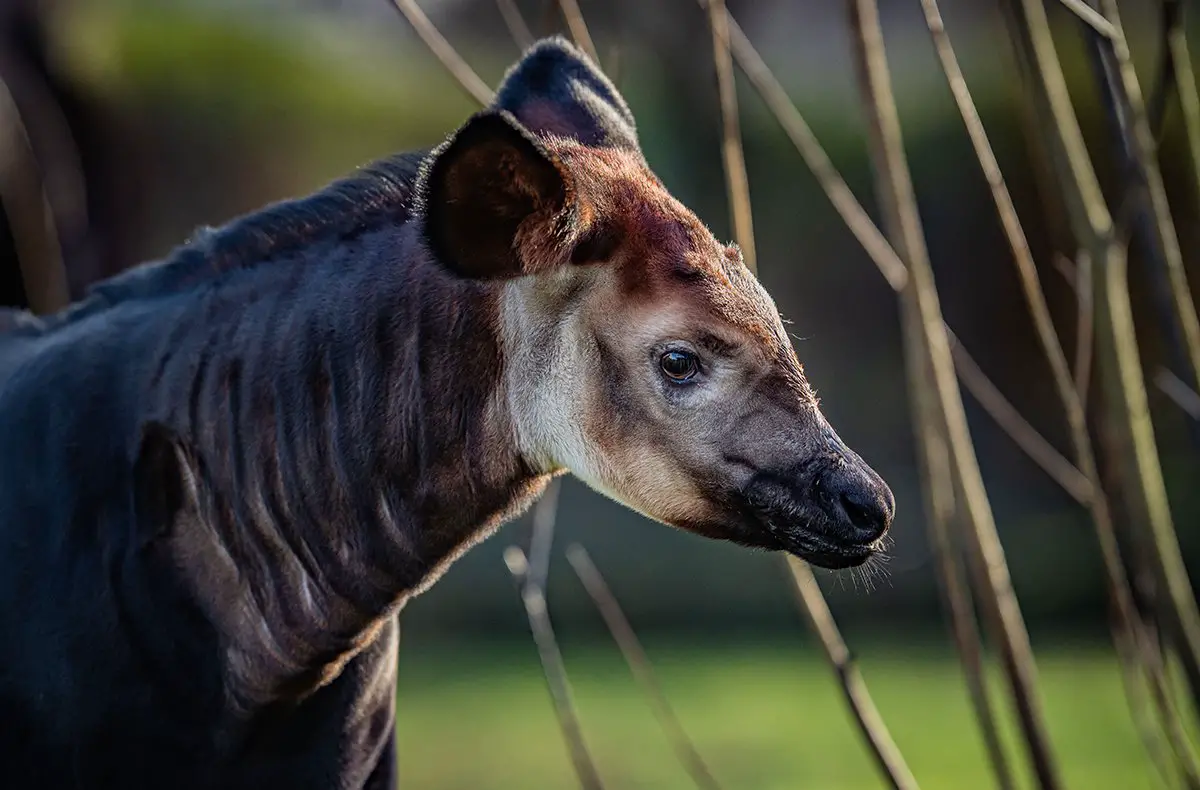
225 473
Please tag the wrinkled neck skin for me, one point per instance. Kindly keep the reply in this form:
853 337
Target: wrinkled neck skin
344 436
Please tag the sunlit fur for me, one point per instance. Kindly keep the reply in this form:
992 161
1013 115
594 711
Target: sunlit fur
226 472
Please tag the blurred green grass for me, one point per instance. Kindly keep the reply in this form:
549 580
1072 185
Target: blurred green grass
763 717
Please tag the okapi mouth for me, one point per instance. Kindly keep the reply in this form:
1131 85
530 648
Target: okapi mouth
837 520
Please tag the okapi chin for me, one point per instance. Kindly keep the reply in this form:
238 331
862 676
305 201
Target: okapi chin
227 471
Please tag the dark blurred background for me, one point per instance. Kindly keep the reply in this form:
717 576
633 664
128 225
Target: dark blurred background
150 117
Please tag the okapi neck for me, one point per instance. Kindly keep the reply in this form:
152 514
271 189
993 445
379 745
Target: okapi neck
343 438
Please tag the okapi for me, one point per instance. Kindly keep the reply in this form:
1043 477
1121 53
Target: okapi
226 472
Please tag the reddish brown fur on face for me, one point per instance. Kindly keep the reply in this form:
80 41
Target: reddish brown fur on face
666 252
649 272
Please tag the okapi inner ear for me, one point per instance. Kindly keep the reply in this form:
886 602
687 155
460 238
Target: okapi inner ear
488 180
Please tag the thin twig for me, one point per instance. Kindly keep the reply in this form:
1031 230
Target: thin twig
1155 226
937 488
1180 393
1093 226
732 155
1069 388
1077 484
923 320
1160 241
1170 21
1085 328
856 218
1117 354
1135 696
820 620
1127 630
579 30
545 514
443 51
800 133
515 22
639 664
1053 463
553 669
1089 16
1066 267
1185 84
531 573
811 601
30 218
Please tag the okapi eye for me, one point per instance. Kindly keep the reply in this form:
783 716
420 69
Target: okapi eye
679 365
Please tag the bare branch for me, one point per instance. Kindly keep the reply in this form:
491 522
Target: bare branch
444 52
1066 474
1156 229
517 27
545 515
579 31
639 664
1071 390
1089 16
937 489
1147 196
1009 220
1178 746
925 329
737 185
1116 340
872 240
1065 267
553 669
1135 696
797 129
530 574
1180 393
1185 83
1085 330
812 602
866 715
31 220
1170 20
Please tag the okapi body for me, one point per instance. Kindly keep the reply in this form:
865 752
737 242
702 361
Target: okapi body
226 472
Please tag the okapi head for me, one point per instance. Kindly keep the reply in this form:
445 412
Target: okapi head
639 352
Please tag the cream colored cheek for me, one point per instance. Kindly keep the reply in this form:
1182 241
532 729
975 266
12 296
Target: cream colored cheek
655 485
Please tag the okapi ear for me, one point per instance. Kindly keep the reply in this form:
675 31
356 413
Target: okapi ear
555 89
490 182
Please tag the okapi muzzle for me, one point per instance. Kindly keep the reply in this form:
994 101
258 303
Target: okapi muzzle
828 507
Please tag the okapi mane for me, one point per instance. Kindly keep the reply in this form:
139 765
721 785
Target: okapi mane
378 193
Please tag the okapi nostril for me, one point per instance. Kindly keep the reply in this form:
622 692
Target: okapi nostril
866 513
857 512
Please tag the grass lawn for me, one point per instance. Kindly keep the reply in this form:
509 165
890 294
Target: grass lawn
764 718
